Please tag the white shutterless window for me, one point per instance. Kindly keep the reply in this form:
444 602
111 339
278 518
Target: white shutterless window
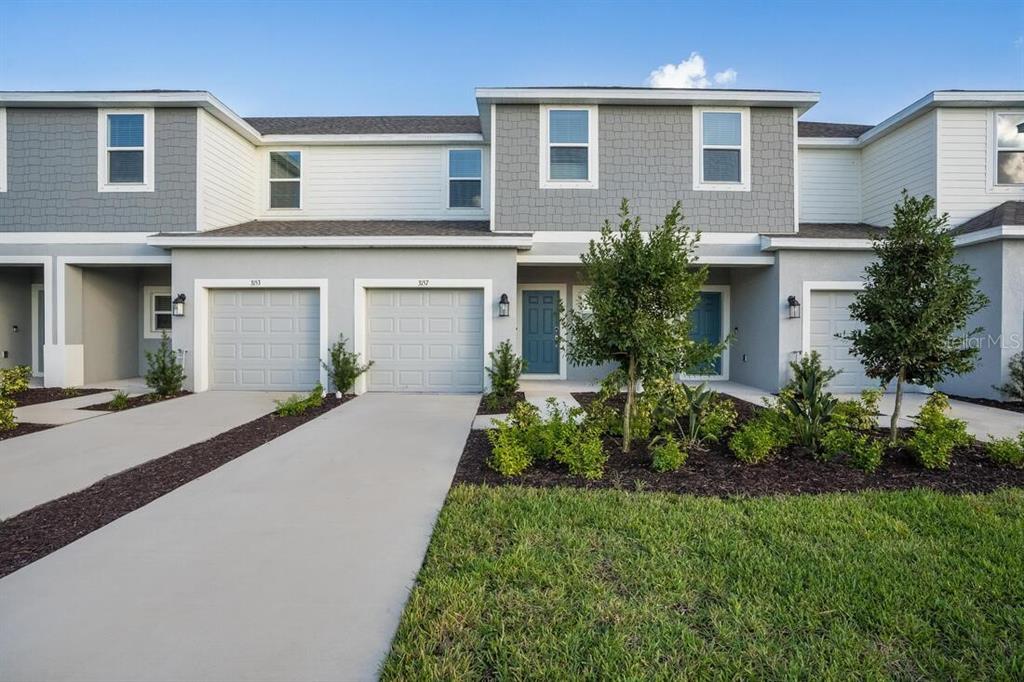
721 149
1009 158
285 180
158 312
125 148
568 147
465 178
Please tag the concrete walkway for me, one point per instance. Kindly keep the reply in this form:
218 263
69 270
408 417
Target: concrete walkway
45 465
292 562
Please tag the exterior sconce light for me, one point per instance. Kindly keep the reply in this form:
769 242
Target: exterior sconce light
794 307
503 306
178 306
1020 127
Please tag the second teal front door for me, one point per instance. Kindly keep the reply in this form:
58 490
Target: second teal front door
540 332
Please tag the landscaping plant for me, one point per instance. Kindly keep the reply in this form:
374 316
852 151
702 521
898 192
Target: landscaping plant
862 451
1007 451
119 401
504 372
936 435
7 420
760 437
915 304
806 405
14 379
296 404
343 367
165 375
644 286
509 454
696 412
1014 388
666 455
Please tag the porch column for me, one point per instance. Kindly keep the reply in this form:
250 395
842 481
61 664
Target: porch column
64 363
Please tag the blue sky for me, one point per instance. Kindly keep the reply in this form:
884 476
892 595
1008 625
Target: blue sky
320 58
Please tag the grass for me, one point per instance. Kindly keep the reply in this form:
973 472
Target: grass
602 584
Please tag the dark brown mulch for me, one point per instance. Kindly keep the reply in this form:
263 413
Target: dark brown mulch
35 396
503 408
137 401
23 429
1009 405
34 533
715 472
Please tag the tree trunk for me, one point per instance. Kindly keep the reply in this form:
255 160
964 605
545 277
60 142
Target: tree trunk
893 428
628 413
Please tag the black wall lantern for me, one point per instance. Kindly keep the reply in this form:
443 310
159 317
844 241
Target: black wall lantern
794 307
503 306
178 306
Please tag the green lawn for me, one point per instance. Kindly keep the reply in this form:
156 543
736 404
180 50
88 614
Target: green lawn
561 583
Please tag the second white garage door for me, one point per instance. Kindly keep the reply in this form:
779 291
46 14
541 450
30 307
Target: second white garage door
830 315
427 340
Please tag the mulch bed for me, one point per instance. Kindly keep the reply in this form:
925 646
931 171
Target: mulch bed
519 397
1009 405
137 401
716 472
34 533
35 396
23 429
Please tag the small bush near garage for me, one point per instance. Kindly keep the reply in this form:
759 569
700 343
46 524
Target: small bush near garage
666 455
14 379
1013 389
343 366
1007 451
119 401
7 420
165 375
504 372
759 438
294 405
936 435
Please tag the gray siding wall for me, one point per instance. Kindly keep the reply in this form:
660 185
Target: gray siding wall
52 176
645 155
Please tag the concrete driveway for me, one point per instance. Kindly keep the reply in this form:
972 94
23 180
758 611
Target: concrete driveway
292 562
45 465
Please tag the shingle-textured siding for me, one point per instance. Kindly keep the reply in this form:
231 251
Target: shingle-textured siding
645 155
52 183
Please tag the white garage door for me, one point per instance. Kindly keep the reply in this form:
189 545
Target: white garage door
425 340
264 339
830 315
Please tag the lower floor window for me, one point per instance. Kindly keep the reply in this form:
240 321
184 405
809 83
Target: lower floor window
158 311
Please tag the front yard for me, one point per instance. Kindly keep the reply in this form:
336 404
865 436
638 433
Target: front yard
562 583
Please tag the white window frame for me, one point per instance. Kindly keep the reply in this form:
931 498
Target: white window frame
592 149
698 150
149 330
148 155
994 184
449 177
300 179
3 149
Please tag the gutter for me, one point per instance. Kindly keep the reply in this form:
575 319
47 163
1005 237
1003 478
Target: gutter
380 242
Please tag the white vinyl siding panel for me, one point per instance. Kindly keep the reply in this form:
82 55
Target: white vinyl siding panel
227 175
903 159
830 185
966 155
378 182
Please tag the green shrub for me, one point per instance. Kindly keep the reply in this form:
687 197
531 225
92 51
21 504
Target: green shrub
70 392
343 367
165 375
760 437
7 420
1007 451
509 456
582 450
857 414
863 452
717 419
1014 388
697 412
936 435
666 454
14 379
504 372
807 405
296 404
119 401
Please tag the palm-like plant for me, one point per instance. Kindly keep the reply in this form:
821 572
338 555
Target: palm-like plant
807 405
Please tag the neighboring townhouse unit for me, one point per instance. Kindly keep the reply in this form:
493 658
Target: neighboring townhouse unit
428 240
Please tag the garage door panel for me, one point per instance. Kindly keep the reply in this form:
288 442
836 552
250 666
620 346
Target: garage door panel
830 315
264 340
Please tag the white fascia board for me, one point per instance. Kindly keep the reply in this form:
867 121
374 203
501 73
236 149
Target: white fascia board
768 98
74 237
341 242
404 138
990 234
814 243
829 142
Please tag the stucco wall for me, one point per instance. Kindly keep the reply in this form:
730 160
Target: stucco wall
645 154
16 309
756 316
52 175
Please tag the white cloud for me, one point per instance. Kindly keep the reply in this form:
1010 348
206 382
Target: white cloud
689 73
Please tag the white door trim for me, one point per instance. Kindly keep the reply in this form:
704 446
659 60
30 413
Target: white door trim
36 288
360 285
820 285
562 290
201 319
726 326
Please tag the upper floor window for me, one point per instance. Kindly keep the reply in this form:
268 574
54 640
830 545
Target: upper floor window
1010 149
721 149
465 179
126 151
568 147
285 179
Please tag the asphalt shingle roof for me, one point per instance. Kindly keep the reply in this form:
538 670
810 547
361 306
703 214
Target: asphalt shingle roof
818 129
1006 213
364 125
351 228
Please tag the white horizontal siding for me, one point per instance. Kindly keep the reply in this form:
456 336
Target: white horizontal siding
227 175
903 159
373 182
830 190
966 161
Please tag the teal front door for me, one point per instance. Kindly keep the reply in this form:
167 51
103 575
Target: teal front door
540 332
707 326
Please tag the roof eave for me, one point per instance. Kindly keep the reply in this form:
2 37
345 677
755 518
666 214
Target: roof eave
802 101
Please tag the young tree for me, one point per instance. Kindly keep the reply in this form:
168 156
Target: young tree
915 303
643 287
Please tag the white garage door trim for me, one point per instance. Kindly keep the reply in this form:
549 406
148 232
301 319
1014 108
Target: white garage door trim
201 319
359 307
825 285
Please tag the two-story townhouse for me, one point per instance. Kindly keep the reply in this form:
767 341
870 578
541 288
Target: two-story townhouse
429 240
